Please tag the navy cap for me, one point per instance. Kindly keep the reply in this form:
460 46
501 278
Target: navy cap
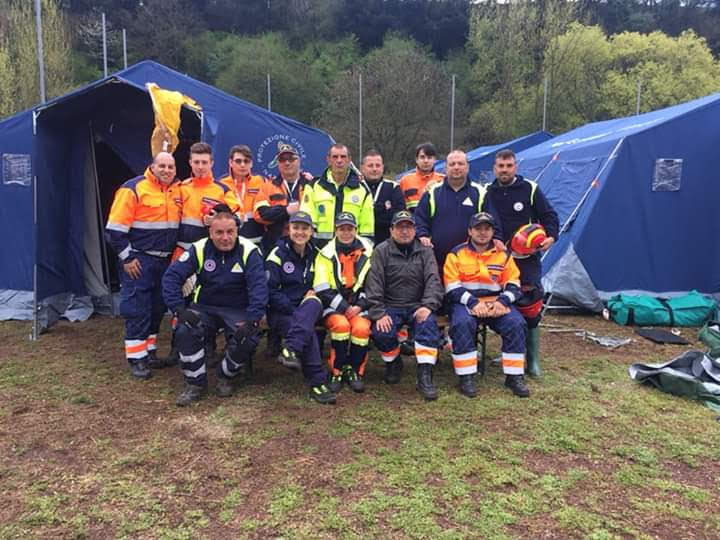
345 218
285 148
482 217
402 215
301 217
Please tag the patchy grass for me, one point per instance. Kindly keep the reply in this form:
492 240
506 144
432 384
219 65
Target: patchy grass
87 452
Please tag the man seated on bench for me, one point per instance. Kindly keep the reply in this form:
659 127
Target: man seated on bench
482 284
404 287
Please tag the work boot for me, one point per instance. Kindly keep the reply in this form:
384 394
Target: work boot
335 383
354 380
425 383
393 371
155 362
224 387
516 383
322 394
407 347
468 387
289 359
190 393
140 369
532 356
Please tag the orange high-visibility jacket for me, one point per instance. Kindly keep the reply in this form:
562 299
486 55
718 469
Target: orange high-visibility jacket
413 186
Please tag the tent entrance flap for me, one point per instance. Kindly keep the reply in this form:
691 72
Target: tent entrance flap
95 264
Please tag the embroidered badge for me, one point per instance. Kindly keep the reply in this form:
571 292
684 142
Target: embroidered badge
288 267
467 202
355 199
321 208
388 205
518 206
184 257
209 265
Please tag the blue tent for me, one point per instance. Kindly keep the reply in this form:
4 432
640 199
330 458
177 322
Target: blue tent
62 161
482 158
638 200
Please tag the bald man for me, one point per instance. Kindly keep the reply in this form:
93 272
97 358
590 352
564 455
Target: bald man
446 207
142 229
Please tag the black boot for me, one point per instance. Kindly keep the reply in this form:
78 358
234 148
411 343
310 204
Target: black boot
190 393
516 383
224 387
425 383
468 387
140 369
155 362
393 371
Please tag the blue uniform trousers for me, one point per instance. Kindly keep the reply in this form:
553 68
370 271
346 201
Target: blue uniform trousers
463 333
301 338
191 341
142 306
426 333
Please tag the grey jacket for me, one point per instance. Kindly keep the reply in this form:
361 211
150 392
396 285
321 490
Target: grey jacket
400 281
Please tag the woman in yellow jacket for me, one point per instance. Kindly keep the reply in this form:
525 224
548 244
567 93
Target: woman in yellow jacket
340 270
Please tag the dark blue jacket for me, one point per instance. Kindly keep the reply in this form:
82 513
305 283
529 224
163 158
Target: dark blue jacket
448 224
520 203
289 275
387 199
233 279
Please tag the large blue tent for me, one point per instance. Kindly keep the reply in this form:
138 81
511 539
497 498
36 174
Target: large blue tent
638 200
62 161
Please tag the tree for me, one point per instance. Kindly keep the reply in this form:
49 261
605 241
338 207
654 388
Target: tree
595 77
18 54
509 41
406 99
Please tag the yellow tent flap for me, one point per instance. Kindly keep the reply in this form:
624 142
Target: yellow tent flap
166 106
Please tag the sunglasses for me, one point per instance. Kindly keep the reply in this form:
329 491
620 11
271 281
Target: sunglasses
240 161
287 159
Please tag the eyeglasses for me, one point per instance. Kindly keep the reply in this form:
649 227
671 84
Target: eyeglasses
287 159
240 161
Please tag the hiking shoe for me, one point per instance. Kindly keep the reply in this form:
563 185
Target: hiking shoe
425 383
140 370
516 383
393 371
335 384
224 387
155 362
190 393
322 394
468 388
289 359
354 380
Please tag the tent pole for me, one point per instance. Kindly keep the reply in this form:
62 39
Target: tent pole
34 336
98 211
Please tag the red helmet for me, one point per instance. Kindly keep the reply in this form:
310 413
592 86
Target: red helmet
527 240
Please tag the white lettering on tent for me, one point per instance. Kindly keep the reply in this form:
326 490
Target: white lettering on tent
265 154
607 133
17 169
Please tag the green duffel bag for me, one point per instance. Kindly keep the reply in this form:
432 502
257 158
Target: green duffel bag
710 336
692 309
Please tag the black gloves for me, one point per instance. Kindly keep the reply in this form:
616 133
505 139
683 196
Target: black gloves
188 317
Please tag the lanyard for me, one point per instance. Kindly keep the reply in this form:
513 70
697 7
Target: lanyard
290 190
377 191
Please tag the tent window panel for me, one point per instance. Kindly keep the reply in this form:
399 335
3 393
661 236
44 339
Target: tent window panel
16 169
668 173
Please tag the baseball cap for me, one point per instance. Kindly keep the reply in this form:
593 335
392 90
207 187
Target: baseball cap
301 217
285 148
402 215
482 217
345 218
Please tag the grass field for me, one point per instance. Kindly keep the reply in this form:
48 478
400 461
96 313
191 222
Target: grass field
87 452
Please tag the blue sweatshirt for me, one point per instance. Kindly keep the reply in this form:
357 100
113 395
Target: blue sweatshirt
289 275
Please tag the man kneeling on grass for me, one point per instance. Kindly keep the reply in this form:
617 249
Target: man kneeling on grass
231 293
403 287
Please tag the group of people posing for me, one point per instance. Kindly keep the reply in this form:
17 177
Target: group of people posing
357 256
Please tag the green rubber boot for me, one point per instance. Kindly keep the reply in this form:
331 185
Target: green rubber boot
532 344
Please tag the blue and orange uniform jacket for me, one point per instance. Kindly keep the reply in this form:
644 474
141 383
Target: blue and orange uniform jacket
145 217
413 186
271 206
246 191
471 276
199 195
